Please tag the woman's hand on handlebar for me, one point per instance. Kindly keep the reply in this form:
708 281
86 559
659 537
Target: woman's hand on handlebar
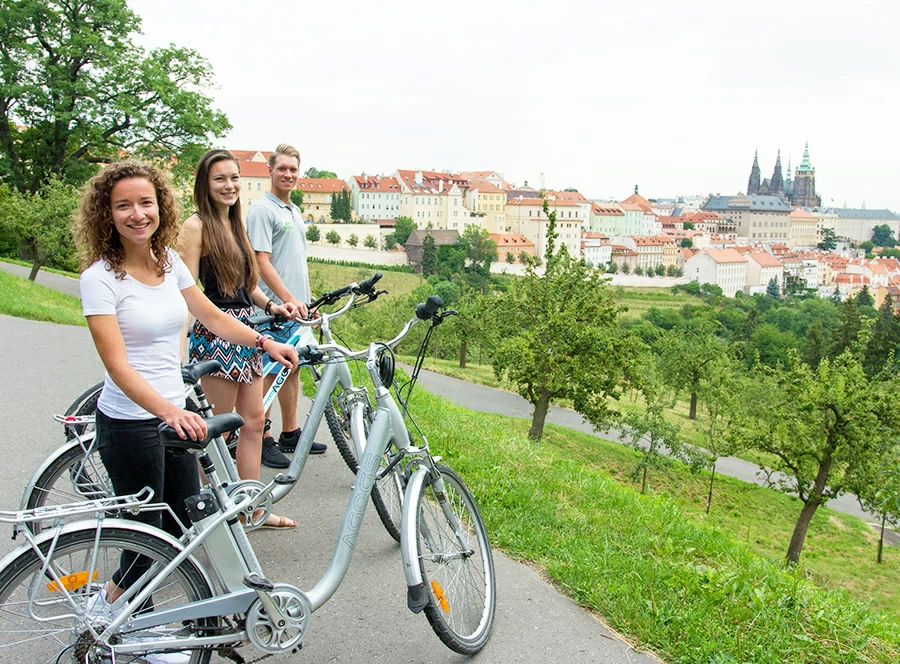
287 310
283 353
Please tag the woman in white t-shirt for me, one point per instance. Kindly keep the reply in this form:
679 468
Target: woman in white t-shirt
136 294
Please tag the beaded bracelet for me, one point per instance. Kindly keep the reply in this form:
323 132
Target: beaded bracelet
261 341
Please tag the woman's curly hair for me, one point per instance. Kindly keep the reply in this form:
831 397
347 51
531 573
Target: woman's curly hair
95 233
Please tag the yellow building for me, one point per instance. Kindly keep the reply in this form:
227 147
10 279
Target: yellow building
317 194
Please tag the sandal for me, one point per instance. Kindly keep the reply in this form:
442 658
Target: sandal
282 523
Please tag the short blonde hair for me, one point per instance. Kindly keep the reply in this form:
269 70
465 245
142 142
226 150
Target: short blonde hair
285 149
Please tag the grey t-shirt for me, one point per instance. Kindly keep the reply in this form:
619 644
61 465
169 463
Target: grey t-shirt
277 228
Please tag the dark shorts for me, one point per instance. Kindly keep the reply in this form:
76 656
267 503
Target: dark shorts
242 363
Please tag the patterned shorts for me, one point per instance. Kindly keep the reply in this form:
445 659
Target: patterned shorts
242 363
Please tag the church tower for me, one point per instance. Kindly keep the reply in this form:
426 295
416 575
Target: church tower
776 185
805 183
753 184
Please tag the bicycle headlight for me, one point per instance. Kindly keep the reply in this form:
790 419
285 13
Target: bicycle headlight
386 368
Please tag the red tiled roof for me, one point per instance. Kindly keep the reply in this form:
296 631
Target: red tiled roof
609 210
507 240
640 201
726 256
376 183
320 185
537 202
765 259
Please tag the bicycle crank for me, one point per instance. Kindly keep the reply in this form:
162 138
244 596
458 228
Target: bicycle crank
274 634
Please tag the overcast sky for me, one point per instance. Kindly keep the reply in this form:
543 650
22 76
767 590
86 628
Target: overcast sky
672 96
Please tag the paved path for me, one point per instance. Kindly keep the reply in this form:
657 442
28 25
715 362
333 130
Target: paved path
367 620
63 284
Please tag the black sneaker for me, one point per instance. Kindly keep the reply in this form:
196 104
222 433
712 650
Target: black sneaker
288 443
272 456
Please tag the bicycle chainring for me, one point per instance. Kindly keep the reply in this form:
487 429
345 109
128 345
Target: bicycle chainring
268 637
253 517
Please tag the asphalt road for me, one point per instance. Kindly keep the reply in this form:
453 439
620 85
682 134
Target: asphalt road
367 619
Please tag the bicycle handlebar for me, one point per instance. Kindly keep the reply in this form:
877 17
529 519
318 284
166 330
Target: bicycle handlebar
427 309
366 286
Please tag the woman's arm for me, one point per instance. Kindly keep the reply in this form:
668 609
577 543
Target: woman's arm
111 348
261 300
231 329
190 247
269 274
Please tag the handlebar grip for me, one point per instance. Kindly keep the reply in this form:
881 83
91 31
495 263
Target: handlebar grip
429 308
367 285
335 295
310 354
261 319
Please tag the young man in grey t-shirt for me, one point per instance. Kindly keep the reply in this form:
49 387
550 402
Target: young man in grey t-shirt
276 231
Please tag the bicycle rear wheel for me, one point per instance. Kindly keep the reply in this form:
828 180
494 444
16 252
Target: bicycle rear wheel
76 474
40 625
457 566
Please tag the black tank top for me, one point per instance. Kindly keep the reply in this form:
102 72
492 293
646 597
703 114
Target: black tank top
239 300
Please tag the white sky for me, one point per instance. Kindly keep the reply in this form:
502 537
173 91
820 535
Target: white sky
673 96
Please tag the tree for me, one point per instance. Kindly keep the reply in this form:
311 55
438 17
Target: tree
340 206
829 240
75 90
370 242
689 356
313 172
864 297
639 270
297 198
884 338
42 221
659 270
402 229
820 427
480 252
867 246
623 268
429 256
686 243
772 289
313 234
390 242
333 237
559 337
353 240
688 226
878 488
816 344
847 332
510 257
671 271
883 236
612 267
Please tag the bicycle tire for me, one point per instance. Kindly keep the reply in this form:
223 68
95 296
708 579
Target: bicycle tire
42 630
85 404
387 492
72 477
459 577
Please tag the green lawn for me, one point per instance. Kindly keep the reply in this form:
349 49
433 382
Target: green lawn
24 299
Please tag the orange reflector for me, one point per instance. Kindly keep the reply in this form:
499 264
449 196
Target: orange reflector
71 581
439 594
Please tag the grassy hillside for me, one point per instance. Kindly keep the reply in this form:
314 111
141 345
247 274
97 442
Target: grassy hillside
24 299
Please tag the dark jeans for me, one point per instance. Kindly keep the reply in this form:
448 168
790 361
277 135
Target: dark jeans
133 457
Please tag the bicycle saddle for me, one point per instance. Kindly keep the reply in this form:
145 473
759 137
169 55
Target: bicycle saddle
191 373
215 426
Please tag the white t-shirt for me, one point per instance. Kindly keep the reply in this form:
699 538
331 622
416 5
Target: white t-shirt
150 319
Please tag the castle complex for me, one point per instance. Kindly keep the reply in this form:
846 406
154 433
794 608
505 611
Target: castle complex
799 191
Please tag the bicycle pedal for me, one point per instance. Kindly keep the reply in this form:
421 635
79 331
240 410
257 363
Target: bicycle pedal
257 582
281 478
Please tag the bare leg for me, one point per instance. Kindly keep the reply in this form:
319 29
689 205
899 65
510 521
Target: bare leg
249 449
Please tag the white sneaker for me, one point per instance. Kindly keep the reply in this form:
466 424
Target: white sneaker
183 657
98 606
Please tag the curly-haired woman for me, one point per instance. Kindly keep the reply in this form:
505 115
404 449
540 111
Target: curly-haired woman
136 293
217 251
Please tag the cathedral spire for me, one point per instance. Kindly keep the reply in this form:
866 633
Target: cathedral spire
777 184
805 166
753 183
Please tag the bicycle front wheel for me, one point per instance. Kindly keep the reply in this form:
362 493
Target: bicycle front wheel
457 566
39 623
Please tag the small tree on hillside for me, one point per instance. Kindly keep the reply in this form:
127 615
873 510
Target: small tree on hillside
429 256
353 240
820 427
772 289
333 237
402 229
297 198
313 234
370 242
559 337
42 222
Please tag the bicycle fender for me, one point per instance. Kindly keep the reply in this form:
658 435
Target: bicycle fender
416 597
49 461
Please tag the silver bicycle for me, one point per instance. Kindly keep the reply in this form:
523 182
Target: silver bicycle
49 584
74 471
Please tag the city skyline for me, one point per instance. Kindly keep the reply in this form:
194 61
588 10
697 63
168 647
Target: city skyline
673 99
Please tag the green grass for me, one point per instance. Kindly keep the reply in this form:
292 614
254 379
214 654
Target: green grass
28 264
24 299
690 588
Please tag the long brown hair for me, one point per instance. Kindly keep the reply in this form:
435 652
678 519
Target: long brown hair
232 270
95 233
